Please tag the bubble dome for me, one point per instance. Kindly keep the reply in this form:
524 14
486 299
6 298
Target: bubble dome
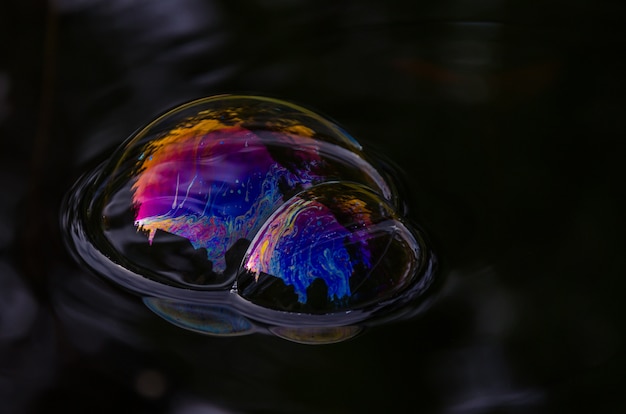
234 214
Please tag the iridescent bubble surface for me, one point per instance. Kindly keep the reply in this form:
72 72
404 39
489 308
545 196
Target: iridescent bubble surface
336 246
237 211
206 319
215 182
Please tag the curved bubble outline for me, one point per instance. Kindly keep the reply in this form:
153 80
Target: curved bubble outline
85 198
81 244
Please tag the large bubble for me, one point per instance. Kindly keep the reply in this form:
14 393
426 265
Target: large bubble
237 214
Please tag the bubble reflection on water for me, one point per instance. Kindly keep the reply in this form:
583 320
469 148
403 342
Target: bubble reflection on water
237 214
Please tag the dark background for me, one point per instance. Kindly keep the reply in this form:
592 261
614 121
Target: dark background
507 118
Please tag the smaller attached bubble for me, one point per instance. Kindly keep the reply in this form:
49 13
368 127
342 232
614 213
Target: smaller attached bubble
334 247
206 319
316 335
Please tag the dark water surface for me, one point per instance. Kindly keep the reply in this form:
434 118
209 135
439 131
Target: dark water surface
506 118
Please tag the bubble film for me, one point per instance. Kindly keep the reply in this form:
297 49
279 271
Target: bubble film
341 236
238 214
215 182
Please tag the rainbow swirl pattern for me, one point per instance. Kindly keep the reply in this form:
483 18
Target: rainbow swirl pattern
214 185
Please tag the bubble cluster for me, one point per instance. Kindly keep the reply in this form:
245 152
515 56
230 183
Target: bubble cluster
238 214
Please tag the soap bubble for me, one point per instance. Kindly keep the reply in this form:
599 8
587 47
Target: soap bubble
234 213
336 246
